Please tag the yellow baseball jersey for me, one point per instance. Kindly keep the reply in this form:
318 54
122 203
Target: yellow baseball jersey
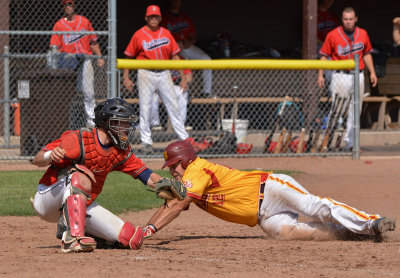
226 193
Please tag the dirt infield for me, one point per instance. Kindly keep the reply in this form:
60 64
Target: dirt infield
200 245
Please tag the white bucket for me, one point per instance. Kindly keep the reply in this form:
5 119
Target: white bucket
240 128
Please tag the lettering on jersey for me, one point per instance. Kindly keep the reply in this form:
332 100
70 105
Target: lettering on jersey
188 184
346 50
153 44
70 39
218 199
178 27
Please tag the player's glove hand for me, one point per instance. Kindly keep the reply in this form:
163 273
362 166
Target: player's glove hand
169 189
149 230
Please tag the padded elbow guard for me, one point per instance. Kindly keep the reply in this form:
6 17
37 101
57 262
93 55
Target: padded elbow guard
129 236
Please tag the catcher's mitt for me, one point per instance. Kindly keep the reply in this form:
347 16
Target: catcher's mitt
170 189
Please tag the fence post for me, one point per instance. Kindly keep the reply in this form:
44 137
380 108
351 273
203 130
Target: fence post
6 96
112 48
356 97
53 57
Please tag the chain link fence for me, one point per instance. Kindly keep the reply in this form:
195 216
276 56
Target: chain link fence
242 115
46 91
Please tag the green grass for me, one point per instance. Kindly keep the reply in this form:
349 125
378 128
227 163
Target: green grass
120 192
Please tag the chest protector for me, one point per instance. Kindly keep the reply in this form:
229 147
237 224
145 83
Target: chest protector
98 160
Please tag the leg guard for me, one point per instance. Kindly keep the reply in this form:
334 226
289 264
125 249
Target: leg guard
73 219
80 184
131 236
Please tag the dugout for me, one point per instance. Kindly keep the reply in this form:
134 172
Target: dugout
43 117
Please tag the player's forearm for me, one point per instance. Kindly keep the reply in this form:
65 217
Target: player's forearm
153 180
369 63
39 159
167 214
321 72
396 34
126 74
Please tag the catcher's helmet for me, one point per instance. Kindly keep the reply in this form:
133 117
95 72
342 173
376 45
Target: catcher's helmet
117 118
181 151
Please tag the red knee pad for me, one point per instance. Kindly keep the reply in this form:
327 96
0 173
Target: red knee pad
131 236
77 183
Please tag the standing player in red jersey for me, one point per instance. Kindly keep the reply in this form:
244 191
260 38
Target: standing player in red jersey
341 44
182 28
326 20
153 42
80 45
80 161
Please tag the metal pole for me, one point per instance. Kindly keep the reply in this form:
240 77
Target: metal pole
356 97
6 97
112 48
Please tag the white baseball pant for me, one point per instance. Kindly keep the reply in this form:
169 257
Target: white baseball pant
100 222
285 199
148 83
182 97
85 84
195 53
342 85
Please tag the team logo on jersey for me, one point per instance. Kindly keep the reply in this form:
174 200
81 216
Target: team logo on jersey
153 44
188 183
70 39
346 50
178 27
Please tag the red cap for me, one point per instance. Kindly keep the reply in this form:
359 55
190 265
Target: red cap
153 10
67 1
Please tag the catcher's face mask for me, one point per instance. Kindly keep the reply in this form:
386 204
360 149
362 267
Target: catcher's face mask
121 131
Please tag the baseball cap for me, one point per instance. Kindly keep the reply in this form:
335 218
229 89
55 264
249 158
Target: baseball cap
153 10
63 2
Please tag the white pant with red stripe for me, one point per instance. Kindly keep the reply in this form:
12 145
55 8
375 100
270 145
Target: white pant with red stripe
285 199
100 222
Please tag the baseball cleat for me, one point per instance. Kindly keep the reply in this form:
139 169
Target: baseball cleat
384 224
84 244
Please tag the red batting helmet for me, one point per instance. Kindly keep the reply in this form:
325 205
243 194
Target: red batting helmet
177 151
294 145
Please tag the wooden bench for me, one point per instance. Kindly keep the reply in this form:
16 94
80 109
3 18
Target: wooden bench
388 89
382 103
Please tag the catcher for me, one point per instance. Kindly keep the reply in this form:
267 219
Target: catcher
273 201
80 161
